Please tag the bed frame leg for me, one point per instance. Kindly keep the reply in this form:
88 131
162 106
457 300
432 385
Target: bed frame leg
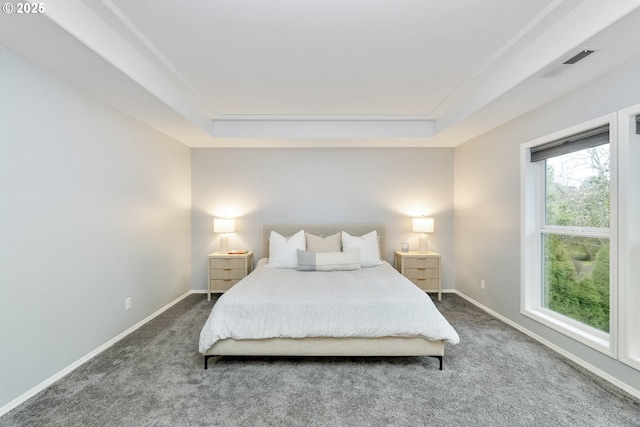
440 359
206 361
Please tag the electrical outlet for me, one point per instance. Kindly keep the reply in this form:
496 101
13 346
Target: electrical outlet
482 284
127 304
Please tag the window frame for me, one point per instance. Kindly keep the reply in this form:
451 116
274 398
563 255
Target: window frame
629 278
533 198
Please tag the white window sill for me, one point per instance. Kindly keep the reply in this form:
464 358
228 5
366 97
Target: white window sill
591 337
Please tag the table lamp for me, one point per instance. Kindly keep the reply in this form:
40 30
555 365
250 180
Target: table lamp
224 226
423 225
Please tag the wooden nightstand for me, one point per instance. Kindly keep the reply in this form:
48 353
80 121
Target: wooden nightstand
225 270
423 269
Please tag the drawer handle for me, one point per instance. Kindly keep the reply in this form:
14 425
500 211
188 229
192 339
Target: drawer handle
422 268
419 278
226 269
226 280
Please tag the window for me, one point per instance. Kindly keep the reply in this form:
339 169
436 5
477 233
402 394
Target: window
575 235
568 279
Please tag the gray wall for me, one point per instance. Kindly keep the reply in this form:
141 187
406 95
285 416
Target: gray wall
487 204
94 208
261 186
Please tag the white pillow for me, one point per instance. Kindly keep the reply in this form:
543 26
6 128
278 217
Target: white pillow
283 251
368 245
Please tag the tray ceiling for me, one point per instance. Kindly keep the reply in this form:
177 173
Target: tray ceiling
325 73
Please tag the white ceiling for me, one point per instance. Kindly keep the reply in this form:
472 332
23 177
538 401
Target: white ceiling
325 72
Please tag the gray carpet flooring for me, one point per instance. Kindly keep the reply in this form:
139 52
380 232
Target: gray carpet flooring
496 376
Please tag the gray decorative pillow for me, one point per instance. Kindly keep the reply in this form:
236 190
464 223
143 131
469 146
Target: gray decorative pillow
328 261
324 244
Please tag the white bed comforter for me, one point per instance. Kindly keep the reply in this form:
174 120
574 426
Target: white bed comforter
284 303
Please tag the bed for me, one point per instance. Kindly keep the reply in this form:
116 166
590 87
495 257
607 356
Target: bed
363 311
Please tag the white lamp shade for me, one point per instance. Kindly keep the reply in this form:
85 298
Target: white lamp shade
224 225
423 225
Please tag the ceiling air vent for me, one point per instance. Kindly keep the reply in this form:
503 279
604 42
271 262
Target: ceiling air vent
579 57
564 65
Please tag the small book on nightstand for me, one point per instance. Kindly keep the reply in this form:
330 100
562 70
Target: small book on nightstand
238 252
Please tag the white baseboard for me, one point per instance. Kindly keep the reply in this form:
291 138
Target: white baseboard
594 369
46 383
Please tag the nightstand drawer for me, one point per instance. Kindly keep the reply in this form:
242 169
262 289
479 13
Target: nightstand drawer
421 273
421 263
227 273
218 285
427 284
227 263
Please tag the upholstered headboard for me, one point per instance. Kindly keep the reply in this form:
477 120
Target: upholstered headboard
324 230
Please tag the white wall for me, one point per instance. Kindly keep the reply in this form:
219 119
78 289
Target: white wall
261 186
94 208
487 205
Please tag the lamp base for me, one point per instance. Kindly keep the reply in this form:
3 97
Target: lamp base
423 244
224 244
